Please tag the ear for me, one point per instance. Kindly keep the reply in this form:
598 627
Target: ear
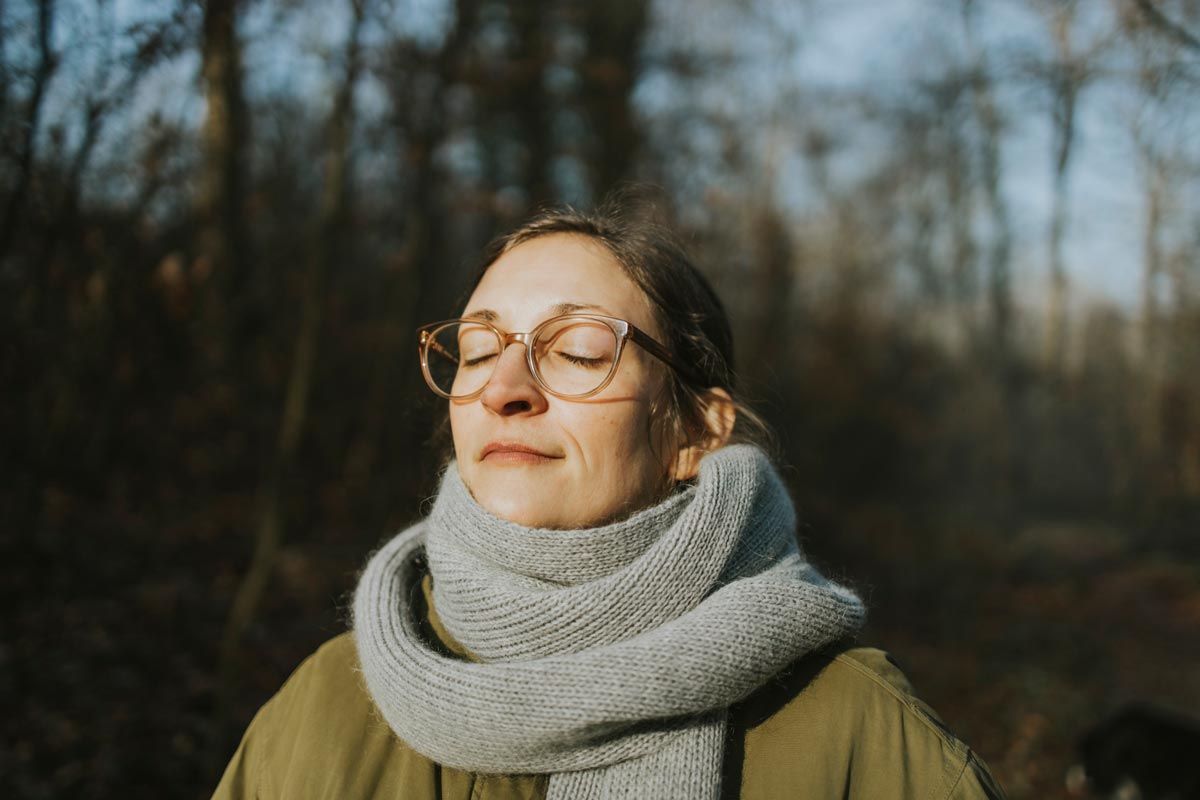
720 414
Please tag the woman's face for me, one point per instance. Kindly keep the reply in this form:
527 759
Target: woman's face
594 460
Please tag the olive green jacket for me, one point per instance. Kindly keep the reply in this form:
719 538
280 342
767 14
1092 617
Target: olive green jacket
839 723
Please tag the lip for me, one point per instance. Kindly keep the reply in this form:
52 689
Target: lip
514 453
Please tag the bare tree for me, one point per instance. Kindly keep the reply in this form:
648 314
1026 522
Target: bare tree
326 240
420 84
957 168
1064 76
528 98
1154 179
1166 349
614 34
224 243
112 85
989 123
4 73
46 66
1155 17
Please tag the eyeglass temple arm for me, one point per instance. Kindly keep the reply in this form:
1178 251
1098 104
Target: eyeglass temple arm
432 344
660 352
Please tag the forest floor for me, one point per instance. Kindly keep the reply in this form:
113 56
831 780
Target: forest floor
1022 643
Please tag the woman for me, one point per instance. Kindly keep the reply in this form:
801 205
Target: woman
607 598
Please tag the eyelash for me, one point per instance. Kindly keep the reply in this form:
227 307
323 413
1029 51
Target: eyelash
585 362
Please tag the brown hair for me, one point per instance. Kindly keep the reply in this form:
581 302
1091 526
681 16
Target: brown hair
694 325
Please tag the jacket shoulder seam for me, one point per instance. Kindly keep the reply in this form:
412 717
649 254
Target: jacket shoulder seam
904 698
909 704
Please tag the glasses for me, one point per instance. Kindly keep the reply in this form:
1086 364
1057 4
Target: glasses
570 356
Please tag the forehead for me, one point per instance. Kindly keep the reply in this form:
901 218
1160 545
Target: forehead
533 280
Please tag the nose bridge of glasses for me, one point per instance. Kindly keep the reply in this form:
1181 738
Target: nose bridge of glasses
513 338
520 338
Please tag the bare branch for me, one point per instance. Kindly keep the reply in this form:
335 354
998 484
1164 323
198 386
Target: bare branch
1167 25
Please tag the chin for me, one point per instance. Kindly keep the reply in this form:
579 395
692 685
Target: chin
542 511
538 501
518 506
527 517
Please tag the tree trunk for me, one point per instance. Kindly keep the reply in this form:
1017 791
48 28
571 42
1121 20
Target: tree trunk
1011 471
1152 261
327 236
529 99
4 78
67 205
417 286
999 243
47 63
614 33
961 210
773 252
1056 309
223 240
1066 77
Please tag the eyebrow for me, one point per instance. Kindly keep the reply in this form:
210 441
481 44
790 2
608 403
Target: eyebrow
566 307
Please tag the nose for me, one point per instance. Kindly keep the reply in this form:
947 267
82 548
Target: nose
512 389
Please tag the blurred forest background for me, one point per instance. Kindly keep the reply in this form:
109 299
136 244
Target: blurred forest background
960 242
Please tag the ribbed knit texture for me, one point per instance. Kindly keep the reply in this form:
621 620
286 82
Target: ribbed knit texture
609 655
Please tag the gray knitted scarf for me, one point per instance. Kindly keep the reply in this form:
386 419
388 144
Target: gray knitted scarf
608 656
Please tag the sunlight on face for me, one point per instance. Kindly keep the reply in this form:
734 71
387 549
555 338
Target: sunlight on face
539 460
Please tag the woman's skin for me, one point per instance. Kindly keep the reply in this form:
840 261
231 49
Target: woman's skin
595 460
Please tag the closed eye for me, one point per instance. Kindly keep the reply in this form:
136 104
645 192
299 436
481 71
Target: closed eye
474 362
582 361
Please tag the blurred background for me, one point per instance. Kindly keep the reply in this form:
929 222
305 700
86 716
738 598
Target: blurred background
959 241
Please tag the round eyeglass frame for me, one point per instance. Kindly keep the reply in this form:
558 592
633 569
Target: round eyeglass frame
622 329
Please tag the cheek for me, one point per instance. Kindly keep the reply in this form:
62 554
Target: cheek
457 431
618 441
461 436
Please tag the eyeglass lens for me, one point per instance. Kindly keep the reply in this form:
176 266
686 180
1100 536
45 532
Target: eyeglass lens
572 357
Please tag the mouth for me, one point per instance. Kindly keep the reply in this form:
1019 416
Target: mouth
514 453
